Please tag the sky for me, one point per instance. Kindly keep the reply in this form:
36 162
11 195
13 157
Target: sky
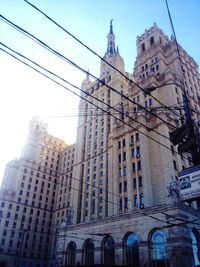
25 94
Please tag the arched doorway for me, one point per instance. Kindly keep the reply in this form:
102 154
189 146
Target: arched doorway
108 251
88 252
158 249
195 247
71 253
131 250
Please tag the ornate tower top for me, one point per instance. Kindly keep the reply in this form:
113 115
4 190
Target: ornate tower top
111 40
111 56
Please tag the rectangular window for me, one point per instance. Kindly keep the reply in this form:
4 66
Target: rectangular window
132 139
119 158
120 187
124 171
175 166
124 142
124 156
119 144
141 199
133 167
138 151
120 204
125 186
140 181
135 200
134 183
139 167
137 136
126 203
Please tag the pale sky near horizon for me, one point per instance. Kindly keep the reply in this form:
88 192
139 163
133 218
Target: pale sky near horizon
24 93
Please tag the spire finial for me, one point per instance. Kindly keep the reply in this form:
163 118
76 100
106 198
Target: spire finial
111 40
111 26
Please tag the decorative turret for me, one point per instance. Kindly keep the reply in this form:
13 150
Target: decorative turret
86 82
111 56
31 150
111 41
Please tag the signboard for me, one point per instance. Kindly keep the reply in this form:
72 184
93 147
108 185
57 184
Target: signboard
189 180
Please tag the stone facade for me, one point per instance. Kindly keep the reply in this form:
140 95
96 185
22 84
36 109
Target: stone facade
29 200
142 223
127 165
112 198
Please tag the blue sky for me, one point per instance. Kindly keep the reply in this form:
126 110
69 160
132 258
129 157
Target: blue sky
24 94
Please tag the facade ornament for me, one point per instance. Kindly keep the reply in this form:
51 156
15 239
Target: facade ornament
173 191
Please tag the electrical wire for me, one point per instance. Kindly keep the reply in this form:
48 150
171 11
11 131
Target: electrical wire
91 114
101 101
93 52
106 111
47 47
65 185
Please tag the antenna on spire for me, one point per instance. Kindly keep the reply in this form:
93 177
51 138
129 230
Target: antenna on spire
111 26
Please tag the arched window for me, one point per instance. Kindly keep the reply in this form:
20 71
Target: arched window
108 250
143 47
158 249
71 253
151 40
195 247
88 252
131 250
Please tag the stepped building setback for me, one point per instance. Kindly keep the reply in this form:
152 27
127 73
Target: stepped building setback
113 197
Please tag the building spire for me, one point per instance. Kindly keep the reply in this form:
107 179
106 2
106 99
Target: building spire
111 40
111 27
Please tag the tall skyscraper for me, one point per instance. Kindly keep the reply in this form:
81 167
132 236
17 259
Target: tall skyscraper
29 200
112 198
127 204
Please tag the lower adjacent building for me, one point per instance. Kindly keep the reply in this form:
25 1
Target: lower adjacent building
30 207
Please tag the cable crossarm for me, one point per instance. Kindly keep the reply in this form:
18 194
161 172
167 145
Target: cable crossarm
50 49
102 102
95 53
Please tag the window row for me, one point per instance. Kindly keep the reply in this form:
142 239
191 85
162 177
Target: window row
157 246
